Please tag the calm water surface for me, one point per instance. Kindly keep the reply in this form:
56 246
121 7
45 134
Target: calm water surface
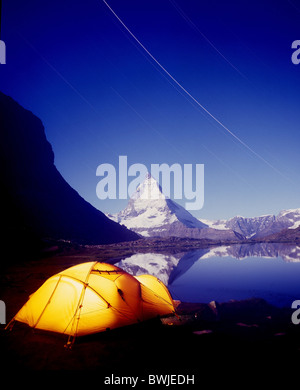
268 271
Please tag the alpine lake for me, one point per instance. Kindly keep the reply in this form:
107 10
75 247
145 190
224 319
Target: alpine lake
243 271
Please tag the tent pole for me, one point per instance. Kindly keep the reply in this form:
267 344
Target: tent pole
49 300
11 323
78 309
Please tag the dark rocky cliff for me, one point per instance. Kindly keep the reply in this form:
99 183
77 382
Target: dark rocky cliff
36 200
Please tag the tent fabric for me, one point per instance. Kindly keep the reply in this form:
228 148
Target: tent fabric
92 297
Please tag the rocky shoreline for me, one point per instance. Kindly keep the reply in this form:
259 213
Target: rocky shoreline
199 337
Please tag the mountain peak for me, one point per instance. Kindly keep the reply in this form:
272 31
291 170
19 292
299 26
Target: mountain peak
149 212
149 189
261 226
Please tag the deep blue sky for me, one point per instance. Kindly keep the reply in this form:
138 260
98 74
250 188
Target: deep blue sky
100 96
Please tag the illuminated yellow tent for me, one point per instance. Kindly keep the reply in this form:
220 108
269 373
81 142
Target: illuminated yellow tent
92 297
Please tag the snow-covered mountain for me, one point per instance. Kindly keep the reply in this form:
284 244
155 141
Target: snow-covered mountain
150 213
259 227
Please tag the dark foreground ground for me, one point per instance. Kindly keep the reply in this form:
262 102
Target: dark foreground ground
249 337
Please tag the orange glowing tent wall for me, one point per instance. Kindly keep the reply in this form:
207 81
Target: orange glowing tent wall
92 297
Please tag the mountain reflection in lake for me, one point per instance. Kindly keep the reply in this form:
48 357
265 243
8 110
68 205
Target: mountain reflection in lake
268 271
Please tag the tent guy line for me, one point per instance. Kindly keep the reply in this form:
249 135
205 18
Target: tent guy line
192 97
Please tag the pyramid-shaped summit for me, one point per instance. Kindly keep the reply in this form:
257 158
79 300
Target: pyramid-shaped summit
150 213
149 189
